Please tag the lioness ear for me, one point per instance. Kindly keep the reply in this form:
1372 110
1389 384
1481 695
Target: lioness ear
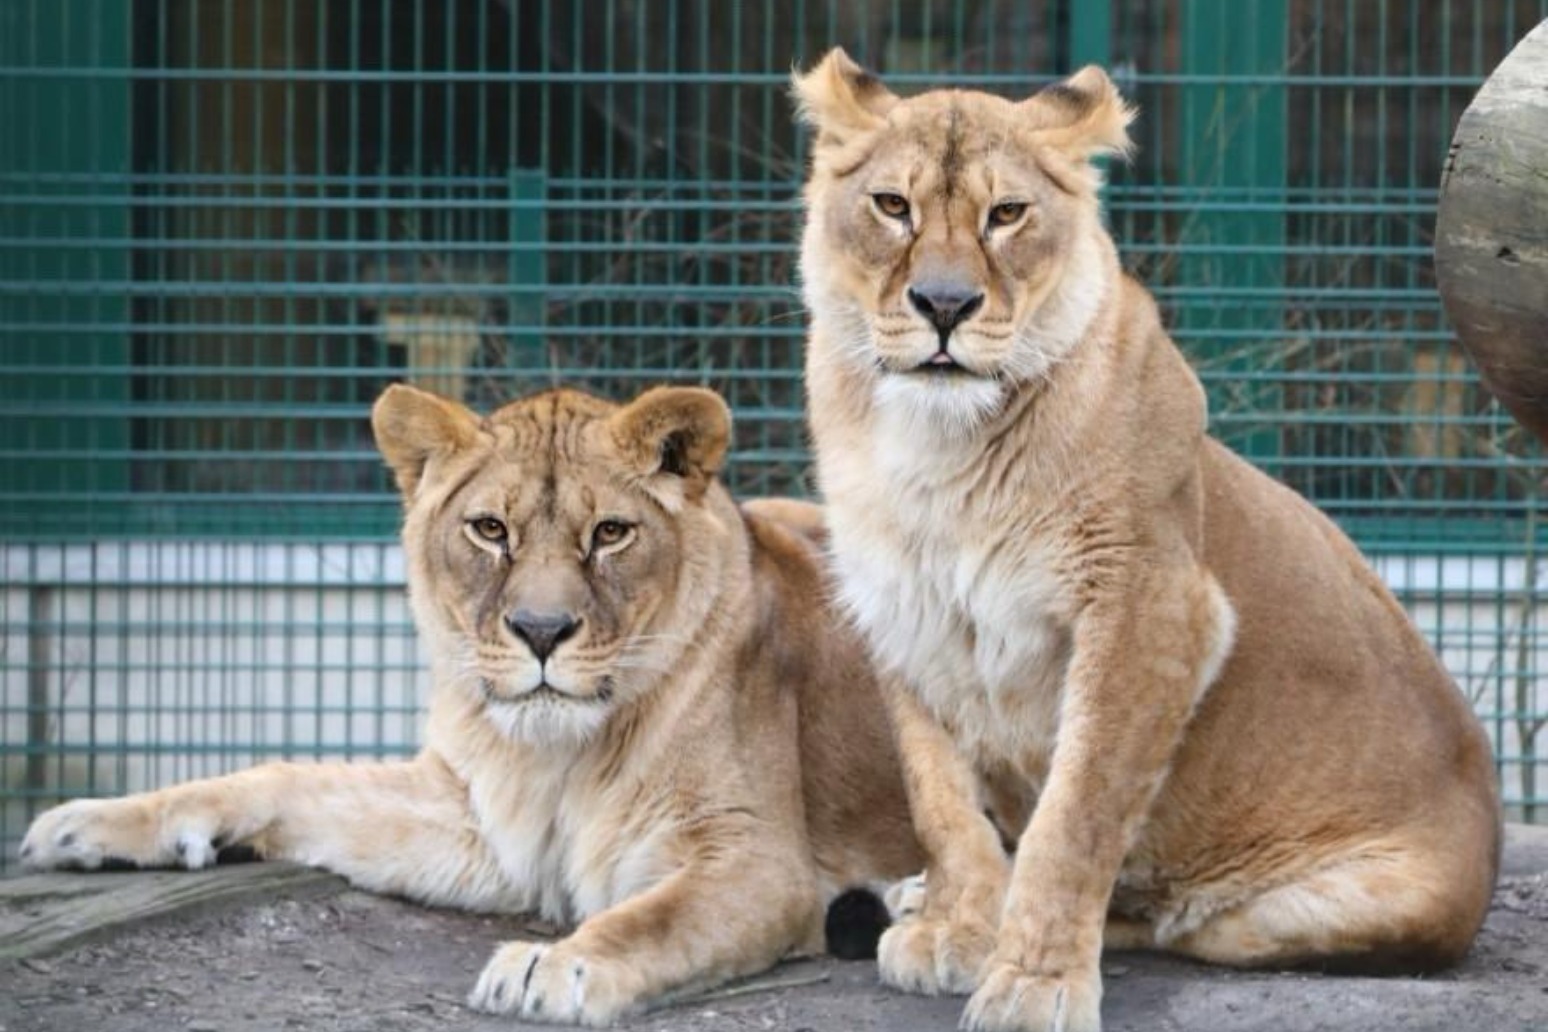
840 99
413 427
679 433
1082 117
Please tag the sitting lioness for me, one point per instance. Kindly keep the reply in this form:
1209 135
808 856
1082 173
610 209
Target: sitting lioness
1176 686
644 719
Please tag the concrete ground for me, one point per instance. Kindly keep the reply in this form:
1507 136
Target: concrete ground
306 953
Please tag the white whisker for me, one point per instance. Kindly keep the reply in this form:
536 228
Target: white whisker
676 639
654 668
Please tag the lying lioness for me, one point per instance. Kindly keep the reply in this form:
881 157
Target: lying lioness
645 718
1204 721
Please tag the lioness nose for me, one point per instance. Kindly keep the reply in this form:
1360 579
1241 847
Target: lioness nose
542 631
946 306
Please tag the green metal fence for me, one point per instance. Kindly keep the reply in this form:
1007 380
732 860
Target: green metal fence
226 224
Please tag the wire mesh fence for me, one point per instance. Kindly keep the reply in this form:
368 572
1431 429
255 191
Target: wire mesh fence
225 225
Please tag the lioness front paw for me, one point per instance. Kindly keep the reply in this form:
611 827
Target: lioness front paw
1012 999
933 956
552 982
88 833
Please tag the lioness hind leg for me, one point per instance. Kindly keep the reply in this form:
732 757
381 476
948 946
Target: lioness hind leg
1389 913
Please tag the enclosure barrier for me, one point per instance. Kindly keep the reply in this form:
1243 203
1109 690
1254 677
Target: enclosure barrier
225 225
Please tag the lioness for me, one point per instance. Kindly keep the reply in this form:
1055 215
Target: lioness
1177 686
644 718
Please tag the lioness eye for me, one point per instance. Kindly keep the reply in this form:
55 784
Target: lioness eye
892 205
609 532
489 528
1006 212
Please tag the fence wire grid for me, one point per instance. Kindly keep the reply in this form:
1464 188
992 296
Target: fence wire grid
225 225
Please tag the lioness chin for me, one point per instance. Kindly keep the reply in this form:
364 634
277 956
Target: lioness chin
645 718
1174 684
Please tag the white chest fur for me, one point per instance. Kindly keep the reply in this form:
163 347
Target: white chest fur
952 592
560 853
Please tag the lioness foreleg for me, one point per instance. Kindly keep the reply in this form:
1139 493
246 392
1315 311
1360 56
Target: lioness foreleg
1141 660
390 827
941 948
733 911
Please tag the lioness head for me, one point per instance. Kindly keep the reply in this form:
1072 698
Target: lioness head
953 245
562 551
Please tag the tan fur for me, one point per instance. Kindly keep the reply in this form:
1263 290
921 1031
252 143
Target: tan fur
707 769
1204 721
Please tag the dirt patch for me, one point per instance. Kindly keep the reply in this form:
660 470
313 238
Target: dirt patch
351 961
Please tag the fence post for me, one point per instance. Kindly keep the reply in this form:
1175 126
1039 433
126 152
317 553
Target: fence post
1234 161
40 600
67 157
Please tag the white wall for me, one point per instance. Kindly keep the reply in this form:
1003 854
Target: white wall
167 660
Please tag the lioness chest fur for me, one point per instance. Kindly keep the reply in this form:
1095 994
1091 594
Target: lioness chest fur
1178 688
646 720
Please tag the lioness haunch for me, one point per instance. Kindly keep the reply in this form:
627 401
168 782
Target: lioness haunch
644 719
